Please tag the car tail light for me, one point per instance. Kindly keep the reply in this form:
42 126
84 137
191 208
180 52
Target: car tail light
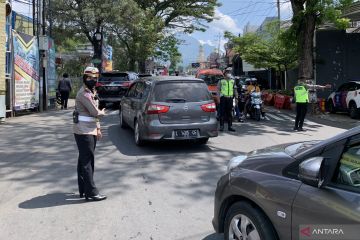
98 84
210 107
126 84
157 109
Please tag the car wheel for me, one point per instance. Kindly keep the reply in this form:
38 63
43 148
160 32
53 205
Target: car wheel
122 122
243 221
137 135
331 107
203 141
353 110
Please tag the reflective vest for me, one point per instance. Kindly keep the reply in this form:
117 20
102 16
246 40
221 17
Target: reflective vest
227 88
301 94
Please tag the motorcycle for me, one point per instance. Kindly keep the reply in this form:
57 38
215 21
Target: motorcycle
255 106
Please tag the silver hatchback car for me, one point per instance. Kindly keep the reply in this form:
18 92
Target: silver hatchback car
169 108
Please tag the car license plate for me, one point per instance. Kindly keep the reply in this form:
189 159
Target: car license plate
186 133
112 88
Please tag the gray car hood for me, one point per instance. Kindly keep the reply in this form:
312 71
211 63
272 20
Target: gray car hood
273 159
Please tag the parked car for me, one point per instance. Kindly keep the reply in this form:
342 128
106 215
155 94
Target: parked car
346 98
281 192
112 86
169 108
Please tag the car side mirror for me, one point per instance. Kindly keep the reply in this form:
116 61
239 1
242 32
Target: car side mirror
311 171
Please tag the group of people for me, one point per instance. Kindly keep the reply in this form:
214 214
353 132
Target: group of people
230 90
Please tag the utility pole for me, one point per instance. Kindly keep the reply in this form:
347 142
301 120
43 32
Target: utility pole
279 17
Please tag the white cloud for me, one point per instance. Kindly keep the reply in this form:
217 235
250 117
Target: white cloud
286 10
208 42
223 23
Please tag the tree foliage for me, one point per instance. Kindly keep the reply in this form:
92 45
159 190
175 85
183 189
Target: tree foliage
307 14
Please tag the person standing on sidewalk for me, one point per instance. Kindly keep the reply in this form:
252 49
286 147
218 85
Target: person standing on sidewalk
302 95
64 87
87 131
227 92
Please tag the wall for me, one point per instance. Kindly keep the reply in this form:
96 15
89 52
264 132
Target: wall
337 58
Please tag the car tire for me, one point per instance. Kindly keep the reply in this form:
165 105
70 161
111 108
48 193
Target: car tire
137 134
123 125
203 141
353 110
257 224
331 107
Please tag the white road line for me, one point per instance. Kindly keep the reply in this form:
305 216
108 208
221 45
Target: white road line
275 117
288 117
267 118
113 112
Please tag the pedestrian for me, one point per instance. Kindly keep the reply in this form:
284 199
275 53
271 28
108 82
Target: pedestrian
87 132
227 91
302 96
64 87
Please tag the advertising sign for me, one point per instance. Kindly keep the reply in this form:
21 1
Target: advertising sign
107 64
51 70
26 71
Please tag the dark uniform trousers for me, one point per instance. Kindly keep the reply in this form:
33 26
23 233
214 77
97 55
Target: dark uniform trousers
64 98
226 105
301 110
85 168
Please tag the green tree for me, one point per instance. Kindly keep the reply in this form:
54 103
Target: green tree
270 49
307 14
188 15
168 51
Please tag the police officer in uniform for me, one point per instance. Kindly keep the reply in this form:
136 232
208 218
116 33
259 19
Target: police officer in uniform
87 131
227 92
301 99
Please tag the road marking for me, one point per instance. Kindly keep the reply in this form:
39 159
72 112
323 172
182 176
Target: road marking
288 118
267 118
113 112
275 117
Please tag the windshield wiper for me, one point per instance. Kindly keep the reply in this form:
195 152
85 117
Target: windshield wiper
175 100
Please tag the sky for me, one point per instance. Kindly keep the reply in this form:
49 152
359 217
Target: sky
233 15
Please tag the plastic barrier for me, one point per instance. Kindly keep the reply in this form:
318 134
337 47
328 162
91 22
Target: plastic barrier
269 100
287 103
279 101
322 104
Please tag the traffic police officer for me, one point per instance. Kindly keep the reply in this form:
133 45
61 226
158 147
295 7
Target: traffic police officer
301 99
227 92
87 131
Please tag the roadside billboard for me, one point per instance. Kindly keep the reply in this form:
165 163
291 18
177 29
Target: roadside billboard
107 63
26 71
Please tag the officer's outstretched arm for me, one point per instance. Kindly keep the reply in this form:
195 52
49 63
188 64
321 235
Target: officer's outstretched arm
89 104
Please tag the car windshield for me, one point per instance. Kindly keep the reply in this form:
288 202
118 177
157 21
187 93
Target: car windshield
114 77
184 91
294 149
211 79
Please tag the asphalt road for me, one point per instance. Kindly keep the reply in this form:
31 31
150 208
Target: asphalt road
157 192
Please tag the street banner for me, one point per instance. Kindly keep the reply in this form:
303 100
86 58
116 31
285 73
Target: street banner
51 75
107 63
26 71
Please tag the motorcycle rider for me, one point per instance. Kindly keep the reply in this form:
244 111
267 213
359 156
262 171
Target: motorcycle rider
240 101
252 86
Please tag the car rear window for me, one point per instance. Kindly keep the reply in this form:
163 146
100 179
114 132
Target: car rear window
189 91
114 77
211 79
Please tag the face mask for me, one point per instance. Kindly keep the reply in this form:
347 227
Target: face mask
228 75
90 84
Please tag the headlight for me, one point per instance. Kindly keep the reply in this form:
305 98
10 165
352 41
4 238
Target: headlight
234 162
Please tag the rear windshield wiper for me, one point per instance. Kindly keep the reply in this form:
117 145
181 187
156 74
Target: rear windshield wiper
175 100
